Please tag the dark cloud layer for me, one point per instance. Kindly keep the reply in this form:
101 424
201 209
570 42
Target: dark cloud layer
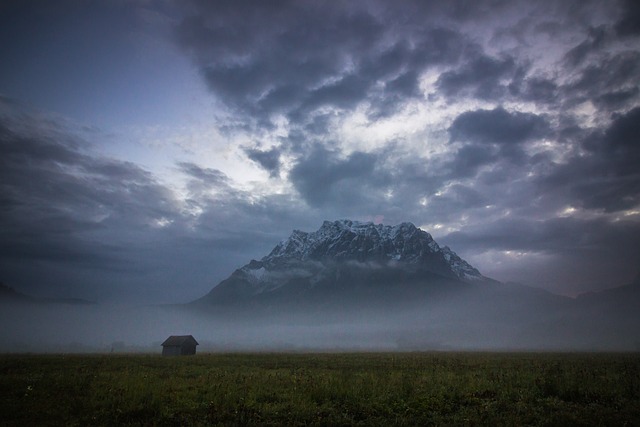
294 59
277 58
509 127
479 77
629 23
605 176
323 178
497 126
267 159
70 216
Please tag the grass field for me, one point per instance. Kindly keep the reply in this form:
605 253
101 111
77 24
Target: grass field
321 389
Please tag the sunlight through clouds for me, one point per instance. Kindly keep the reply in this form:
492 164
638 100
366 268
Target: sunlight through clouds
507 129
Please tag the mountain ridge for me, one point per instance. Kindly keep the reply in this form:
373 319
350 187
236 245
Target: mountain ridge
365 241
363 251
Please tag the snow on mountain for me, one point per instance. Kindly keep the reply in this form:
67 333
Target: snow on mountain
462 268
345 240
353 240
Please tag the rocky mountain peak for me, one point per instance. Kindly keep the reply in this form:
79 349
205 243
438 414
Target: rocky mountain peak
347 240
345 253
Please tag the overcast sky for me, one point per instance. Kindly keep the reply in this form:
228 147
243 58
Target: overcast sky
149 148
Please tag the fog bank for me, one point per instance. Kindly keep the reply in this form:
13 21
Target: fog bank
445 325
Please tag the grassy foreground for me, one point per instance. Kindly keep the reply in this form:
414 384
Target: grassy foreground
322 389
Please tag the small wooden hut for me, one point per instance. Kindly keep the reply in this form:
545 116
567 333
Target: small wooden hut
179 345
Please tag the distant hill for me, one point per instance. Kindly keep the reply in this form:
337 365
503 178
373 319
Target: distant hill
7 293
617 297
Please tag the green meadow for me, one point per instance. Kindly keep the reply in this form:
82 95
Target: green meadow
321 389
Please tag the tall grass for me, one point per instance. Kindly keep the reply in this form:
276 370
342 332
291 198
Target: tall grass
322 389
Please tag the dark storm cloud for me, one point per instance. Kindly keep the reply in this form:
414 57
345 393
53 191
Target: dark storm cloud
318 125
606 175
625 130
608 76
613 101
322 177
595 40
629 23
297 58
207 175
536 89
497 126
469 158
267 159
459 197
54 193
481 77
598 247
602 67
277 58
345 93
75 223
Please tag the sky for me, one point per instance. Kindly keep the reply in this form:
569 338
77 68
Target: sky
148 148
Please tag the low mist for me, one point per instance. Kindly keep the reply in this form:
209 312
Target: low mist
475 321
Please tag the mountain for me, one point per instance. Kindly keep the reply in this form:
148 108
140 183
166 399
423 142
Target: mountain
615 298
362 285
348 259
617 309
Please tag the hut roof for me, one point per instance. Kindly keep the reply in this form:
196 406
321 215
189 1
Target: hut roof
178 340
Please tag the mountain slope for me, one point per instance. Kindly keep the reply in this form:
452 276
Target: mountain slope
361 262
